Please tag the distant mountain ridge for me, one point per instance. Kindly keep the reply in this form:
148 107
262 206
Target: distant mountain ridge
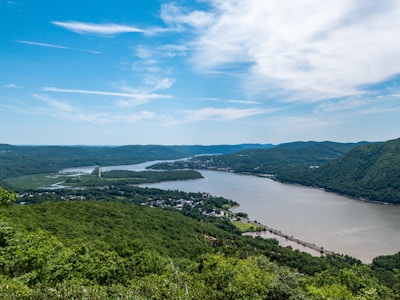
22 160
275 160
370 171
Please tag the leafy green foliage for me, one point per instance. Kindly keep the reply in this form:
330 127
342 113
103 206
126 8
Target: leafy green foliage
387 268
115 226
118 227
348 283
152 176
33 266
200 206
6 198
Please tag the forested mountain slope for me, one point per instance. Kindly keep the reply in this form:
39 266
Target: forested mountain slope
369 171
122 227
283 157
100 250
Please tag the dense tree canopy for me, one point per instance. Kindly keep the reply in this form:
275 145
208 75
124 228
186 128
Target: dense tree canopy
100 250
6 198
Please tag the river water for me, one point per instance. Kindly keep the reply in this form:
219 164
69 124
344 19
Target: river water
360 229
343 225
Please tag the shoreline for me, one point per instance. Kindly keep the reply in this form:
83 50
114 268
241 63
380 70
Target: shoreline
273 177
274 232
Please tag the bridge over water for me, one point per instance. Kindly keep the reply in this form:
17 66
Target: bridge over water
291 238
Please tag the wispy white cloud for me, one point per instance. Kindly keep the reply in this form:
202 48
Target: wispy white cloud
135 117
243 101
56 108
158 83
57 46
313 50
171 50
107 29
154 54
12 86
389 96
134 98
64 110
103 93
178 16
157 65
210 99
144 53
220 114
94 28
341 105
352 107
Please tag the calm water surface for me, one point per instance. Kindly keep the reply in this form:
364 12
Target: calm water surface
343 225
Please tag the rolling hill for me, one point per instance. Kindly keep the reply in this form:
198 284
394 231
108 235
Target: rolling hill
369 171
283 157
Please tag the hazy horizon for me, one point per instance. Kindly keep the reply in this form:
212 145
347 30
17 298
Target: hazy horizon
205 145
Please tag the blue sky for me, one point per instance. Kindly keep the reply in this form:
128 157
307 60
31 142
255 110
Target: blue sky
198 72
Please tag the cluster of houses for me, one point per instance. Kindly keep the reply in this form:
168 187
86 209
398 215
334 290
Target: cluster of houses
178 204
188 204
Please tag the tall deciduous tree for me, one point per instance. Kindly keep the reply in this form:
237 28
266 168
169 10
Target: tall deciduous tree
6 198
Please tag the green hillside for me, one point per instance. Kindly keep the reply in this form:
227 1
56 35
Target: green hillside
121 227
298 155
368 171
101 250
115 226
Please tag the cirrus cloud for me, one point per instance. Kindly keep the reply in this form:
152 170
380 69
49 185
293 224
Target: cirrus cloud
108 29
12 86
65 110
57 46
221 114
134 98
95 28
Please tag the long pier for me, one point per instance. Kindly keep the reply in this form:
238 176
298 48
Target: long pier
291 238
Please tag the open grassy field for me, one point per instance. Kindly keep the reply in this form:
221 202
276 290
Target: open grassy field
244 227
36 181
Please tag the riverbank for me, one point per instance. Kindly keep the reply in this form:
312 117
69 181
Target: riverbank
274 178
359 229
285 240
